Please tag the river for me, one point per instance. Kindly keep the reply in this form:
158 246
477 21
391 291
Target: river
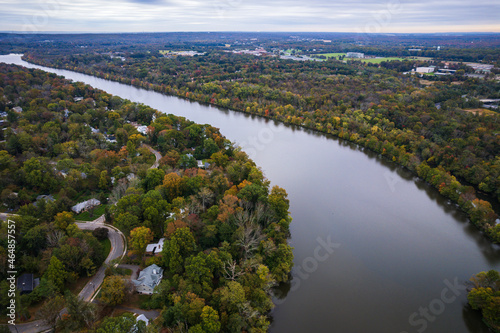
376 250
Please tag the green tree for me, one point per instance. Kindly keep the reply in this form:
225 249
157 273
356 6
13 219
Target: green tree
210 320
126 323
56 273
279 202
104 180
154 177
126 222
81 314
50 311
180 246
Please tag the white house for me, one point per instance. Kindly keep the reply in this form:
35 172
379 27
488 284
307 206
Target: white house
355 55
83 206
148 279
142 129
143 318
425 69
155 248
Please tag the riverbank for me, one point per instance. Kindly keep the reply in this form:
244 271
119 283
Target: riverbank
480 212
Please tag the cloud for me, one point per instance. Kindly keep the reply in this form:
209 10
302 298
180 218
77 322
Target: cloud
246 15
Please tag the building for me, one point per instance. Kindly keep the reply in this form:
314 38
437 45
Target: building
47 198
26 283
148 279
155 248
425 69
480 68
86 205
142 129
355 55
143 318
202 165
17 109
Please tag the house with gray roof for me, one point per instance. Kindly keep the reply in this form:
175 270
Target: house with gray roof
148 279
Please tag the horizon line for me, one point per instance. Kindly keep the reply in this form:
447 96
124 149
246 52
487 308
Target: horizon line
235 31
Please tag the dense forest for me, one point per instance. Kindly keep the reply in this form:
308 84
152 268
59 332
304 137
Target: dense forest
226 230
431 126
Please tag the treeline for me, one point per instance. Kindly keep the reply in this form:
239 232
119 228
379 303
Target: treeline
414 125
226 230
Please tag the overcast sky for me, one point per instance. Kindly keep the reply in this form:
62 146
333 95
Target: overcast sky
250 15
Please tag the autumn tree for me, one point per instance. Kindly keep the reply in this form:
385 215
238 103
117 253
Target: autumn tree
63 220
113 290
139 238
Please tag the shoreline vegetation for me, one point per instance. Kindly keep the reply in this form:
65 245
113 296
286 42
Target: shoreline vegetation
371 129
225 229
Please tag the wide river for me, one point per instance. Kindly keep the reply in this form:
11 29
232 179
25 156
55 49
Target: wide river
376 250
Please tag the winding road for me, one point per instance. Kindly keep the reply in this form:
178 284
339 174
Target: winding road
118 250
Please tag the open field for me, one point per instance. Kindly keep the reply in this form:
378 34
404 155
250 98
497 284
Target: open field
369 60
328 55
379 60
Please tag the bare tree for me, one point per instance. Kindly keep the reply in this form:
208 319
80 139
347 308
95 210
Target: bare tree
53 237
206 196
231 270
249 237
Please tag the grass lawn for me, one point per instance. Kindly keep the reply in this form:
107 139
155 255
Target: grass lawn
328 55
106 243
379 60
85 216
135 300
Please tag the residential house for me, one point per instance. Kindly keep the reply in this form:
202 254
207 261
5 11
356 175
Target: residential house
85 205
148 279
47 198
155 248
143 318
26 283
202 165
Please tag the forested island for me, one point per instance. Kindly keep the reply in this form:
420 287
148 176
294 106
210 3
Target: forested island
225 229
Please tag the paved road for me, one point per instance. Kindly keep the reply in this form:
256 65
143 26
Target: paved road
157 155
118 249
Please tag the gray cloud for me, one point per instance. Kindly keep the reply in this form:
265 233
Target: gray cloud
246 15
